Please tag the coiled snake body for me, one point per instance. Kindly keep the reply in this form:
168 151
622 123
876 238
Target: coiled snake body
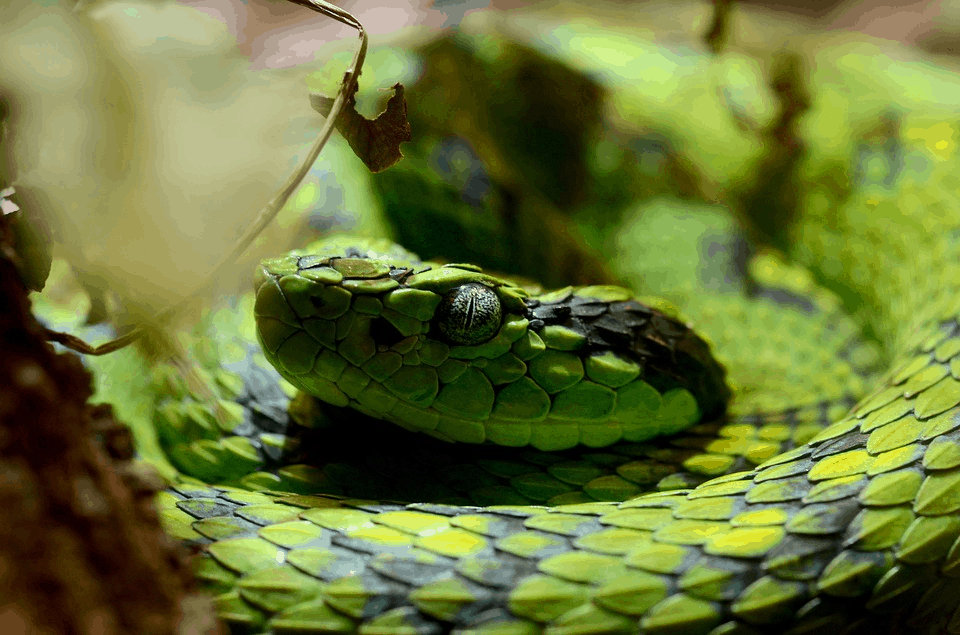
812 518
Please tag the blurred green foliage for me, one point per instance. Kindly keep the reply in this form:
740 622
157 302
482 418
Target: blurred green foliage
533 153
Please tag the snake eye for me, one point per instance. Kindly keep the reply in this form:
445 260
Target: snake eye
470 314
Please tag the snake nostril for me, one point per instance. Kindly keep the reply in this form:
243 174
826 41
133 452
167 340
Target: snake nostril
384 333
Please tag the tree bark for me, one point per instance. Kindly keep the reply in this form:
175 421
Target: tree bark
81 547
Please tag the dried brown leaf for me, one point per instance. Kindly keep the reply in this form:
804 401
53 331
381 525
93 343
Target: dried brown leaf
376 141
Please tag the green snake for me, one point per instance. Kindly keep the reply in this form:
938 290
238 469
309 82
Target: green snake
497 460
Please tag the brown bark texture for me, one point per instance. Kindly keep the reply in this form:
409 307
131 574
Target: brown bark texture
81 547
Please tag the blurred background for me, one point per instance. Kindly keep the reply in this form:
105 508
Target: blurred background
565 143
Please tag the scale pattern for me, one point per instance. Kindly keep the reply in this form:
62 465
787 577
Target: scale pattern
299 445
299 449
852 526
856 529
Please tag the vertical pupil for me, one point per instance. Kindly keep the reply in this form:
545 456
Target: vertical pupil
470 314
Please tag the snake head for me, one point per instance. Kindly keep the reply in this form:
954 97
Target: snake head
462 355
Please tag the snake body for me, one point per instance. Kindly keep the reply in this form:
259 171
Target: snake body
811 518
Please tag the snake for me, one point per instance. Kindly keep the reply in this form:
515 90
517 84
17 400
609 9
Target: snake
406 447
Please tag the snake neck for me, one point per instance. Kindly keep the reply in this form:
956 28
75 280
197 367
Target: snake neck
671 353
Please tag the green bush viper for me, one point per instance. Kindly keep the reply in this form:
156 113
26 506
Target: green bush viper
840 513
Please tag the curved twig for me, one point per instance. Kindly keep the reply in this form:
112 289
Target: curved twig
271 209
